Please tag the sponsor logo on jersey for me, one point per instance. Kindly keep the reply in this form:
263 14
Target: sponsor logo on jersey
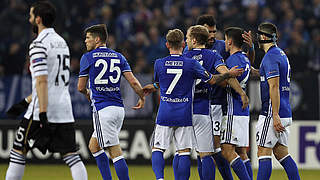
174 100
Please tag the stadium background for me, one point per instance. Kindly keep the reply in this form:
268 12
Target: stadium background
137 29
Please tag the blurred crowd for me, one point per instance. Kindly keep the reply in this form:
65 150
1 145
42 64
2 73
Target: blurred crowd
137 28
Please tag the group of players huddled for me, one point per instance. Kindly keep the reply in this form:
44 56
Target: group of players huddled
203 103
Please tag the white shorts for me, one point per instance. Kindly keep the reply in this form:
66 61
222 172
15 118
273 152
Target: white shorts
216 117
235 130
163 136
266 134
202 136
107 124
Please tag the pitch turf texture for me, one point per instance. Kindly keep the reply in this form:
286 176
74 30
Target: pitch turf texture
62 172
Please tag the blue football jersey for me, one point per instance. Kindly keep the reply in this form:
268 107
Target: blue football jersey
176 75
104 68
210 61
218 93
234 102
275 63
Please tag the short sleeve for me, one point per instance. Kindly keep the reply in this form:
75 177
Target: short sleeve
38 58
271 67
218 61
125 67
156 73
200 72
84 66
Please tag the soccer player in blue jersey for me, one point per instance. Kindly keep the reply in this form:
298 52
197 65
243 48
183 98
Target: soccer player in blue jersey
217 94
196 39
175 75
276 116
103 68
235 124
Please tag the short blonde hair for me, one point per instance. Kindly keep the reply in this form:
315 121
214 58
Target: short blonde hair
175 37
200 33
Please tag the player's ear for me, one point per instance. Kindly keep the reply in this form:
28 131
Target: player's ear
167 45
183 44
38 20
96 39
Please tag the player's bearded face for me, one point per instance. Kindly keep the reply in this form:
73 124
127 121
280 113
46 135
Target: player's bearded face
212 34
34 27
32 21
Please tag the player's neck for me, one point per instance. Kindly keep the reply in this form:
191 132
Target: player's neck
101 45
41 28
199 46
234 49
266 47
174 51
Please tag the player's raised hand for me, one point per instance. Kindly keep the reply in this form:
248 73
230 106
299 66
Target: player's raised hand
277 123
247 38
235 71
245 101
140 104
148 89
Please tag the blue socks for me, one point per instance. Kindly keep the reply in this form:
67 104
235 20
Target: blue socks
208 168
158 164
184 166
240 169
247 163
223 165
121 168
103 164
290 167
199 163
265 168
175 164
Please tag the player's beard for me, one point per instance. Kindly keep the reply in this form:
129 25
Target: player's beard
34 27
210 43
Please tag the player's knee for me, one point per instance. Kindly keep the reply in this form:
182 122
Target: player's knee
280 153
114 151
94 148
262 151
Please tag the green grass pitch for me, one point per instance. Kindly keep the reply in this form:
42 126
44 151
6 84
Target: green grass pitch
62 172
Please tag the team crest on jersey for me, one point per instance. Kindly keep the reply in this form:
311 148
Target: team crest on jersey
37 60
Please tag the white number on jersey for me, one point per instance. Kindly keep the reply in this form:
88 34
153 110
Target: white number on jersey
99 80
199 80
244 81
289 69
63 67
178 73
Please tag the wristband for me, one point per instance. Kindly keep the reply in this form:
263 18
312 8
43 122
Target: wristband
155 85
252 48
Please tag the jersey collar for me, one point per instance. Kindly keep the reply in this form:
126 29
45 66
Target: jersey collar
272 47
175 55
45 31
197 49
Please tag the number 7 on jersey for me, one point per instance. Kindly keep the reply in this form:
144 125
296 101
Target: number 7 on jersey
178 73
